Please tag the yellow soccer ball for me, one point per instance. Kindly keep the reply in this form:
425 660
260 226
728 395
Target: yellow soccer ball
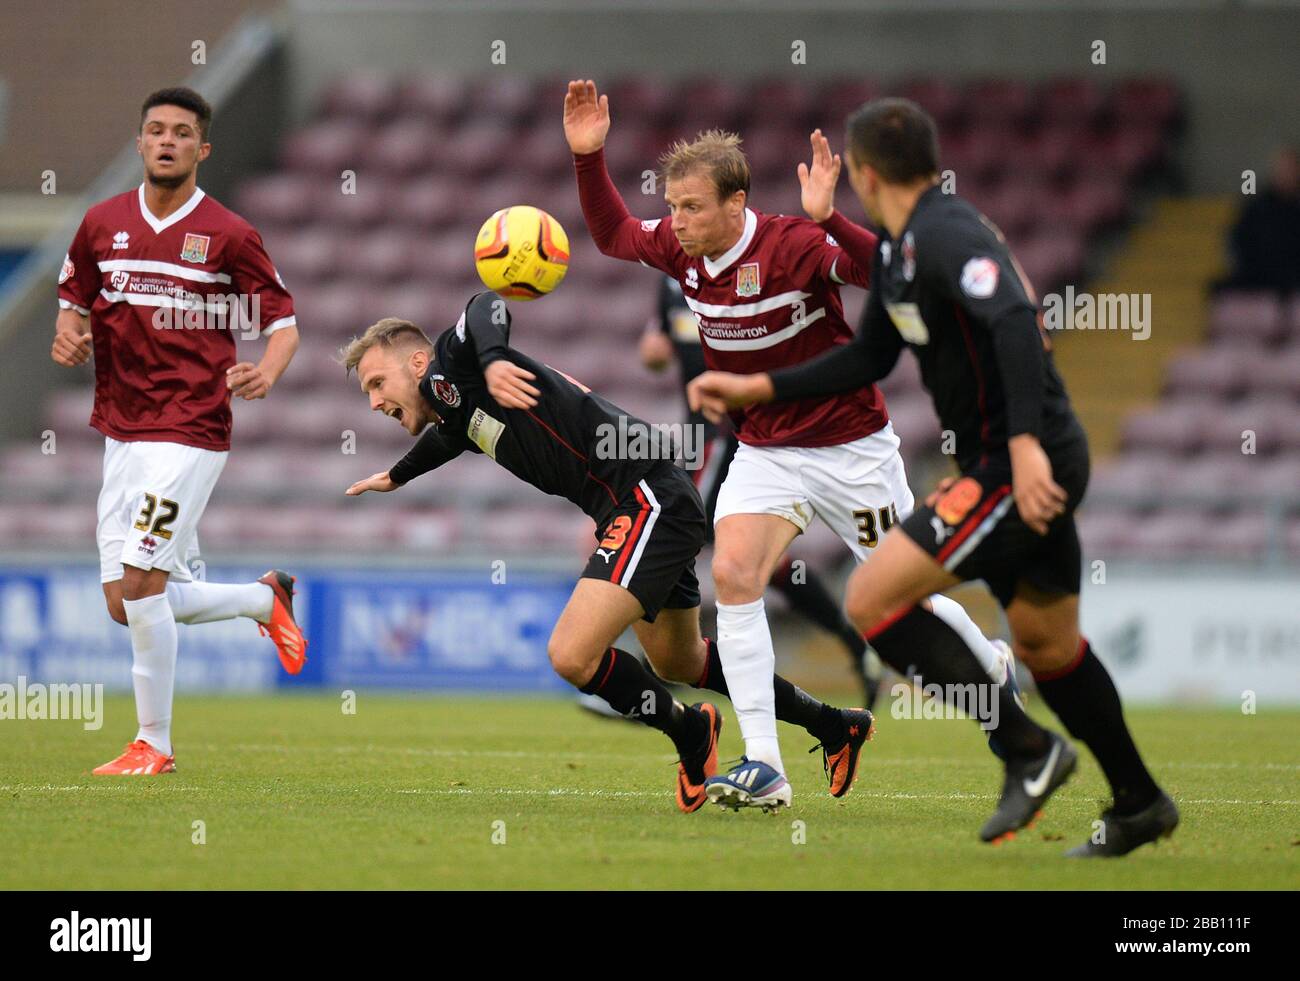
521 252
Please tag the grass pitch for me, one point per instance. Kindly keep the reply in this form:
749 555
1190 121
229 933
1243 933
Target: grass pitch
410 793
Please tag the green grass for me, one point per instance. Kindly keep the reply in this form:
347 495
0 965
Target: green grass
405 793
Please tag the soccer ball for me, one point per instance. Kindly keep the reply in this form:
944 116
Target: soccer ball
521 252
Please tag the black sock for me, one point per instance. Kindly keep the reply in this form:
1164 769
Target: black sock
812 600
918 642
793 704
631 689
1085 700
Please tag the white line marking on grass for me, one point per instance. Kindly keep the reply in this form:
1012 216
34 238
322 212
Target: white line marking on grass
579 792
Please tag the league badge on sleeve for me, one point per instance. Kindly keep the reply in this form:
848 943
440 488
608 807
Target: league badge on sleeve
195 248
68 269
979 278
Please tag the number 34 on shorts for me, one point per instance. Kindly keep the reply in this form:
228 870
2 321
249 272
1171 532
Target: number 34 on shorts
874 522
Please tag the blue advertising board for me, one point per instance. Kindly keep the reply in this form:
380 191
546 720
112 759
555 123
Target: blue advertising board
389 628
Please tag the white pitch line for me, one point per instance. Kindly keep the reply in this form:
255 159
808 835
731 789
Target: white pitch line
908 761
588 792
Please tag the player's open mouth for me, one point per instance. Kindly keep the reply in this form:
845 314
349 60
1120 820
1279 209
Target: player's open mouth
166 158
395 414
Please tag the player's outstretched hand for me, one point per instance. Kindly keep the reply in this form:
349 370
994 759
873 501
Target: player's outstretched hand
247 381
508 384
586 117
71 347
819 180
716 392
1039 498
376 482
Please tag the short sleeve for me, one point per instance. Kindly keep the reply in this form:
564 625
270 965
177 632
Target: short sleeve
79 279
254 276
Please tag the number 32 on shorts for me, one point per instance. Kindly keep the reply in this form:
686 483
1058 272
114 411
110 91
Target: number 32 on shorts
159 524
874 522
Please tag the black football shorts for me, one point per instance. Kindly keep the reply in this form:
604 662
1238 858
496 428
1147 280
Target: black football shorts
649 543
975 532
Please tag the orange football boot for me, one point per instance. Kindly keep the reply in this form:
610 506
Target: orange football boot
139 760
290 644
841 765
694 769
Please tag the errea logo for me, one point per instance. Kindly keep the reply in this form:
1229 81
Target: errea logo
693 278
122 240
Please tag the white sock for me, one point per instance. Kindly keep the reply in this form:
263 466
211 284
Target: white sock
153 668
954 615
204 602
749 664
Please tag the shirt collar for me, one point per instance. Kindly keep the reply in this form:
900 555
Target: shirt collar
716 268
159 224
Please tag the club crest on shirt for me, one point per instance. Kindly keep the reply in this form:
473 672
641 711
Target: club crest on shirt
909 257
195 248
747 280
445 392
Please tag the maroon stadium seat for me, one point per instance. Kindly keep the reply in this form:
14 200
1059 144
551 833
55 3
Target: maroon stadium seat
436 99
361 95
1247 316
278 199
1221 372
325 149
1173 427
1001 102
1133 476
1073 102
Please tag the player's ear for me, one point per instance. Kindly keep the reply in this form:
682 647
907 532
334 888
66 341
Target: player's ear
204 150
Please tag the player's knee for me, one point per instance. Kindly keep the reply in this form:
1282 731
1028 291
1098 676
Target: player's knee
862 609
734 581
1043 653
570 662
116 610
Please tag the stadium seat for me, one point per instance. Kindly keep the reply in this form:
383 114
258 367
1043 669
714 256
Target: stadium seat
1247 317
361 95
1173 427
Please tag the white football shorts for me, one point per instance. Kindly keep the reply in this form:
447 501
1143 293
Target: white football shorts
149 507
859 489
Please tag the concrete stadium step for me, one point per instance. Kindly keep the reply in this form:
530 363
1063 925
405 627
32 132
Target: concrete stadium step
1173 256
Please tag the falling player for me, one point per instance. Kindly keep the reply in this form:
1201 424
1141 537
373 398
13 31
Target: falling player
144 269
483 396
947 287
674 334
765 289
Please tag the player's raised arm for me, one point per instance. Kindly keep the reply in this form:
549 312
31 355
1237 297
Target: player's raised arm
613 228
586 117
852 251
485 327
